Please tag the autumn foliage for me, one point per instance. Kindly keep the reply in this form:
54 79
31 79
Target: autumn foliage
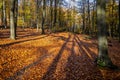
56 56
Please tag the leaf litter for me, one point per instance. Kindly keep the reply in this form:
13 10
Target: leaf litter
56 56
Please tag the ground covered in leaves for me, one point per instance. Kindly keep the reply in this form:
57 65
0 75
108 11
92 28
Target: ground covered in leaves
55 56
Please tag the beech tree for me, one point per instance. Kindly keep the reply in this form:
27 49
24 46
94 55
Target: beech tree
23 16
88 18
13 18
93 17
103 58
43 15
55 11
4 21
119 21
37 13
112 24
83 16
51 13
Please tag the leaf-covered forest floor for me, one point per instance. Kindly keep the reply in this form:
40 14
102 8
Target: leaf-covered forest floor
55 56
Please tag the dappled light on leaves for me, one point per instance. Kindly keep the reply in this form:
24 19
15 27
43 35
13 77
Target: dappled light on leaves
62 56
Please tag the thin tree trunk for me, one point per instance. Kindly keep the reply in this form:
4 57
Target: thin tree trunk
37 12
89 28
4 13
83 29
59 18
109 26
119 20
112 24
16 15
73 16
93 18
55 12
43 16
51 14
23 16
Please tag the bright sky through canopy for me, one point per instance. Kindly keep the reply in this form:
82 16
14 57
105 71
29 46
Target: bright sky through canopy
76 1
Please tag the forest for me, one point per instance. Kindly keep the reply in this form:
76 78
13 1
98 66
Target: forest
59 39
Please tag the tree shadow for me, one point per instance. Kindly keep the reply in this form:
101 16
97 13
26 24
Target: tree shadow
40 58
90 53
60 37
26 35
51 69
20 34
81 67
17 42
4 34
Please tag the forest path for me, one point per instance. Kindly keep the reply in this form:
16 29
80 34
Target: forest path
57 56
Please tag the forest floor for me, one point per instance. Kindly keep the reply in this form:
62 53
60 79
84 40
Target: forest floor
55 56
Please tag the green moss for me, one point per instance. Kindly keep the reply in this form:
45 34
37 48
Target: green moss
101 63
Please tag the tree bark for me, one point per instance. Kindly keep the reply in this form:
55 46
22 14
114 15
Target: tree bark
112 24
59 18
16 15
103 58
55 12
83 29
51 14
37 13
12 20
93 18
4 13
43 16
89 27
23 16
119 21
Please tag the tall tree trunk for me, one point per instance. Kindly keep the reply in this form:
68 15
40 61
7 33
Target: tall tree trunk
23 16
119 20
4 13
103 58
89 28
96 17
109 26
55 12
43 16
73 17
93 18
83 29
16 15
59 18
112 24
12 20
37 12
51 14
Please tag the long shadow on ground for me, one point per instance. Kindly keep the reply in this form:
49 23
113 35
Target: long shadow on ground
78 67
17 42
20 34
81 67
21 72
51 69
